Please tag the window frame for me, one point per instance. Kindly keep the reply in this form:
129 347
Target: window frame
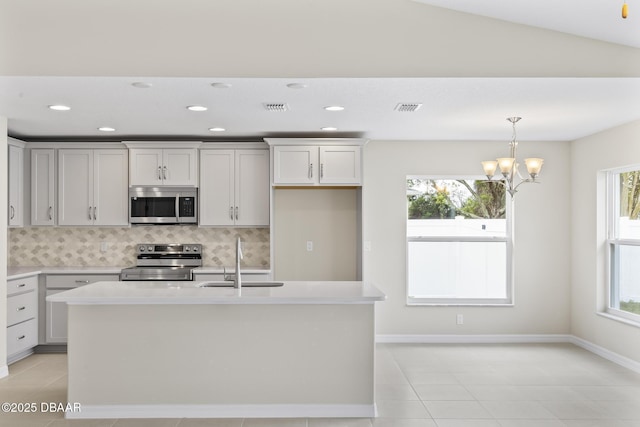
613 243
508 300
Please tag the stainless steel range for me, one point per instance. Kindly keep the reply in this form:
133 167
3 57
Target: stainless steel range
171 261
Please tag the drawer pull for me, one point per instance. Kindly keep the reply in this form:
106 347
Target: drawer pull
82 281
21 337
21 285
20 308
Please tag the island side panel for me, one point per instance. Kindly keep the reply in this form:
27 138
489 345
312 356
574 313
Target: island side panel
122 355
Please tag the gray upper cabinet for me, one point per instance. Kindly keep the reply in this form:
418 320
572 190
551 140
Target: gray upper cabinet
16 183
43 188
93 187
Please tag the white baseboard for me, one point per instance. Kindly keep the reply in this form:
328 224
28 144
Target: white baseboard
607 354
512 339
4 371
472 339
223 411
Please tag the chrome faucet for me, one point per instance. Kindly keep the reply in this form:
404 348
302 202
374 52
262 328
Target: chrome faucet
237 281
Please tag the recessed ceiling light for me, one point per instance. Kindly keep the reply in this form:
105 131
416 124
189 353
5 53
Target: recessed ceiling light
59 107
220 85
328 128
142 85
196 108
106 129
217 129
297 85
334 108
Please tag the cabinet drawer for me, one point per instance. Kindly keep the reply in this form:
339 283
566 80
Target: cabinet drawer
22 307
16 286
22 336
68 281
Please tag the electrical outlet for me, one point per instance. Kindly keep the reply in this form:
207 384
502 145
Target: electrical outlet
459 319
309 246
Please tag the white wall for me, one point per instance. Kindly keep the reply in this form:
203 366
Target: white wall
542 235
612 148
326 217
3 246
288 38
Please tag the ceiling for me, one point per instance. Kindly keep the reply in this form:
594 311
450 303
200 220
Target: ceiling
596 19
452 108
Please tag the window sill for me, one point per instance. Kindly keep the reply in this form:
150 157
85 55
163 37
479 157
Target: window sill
619 319
459 304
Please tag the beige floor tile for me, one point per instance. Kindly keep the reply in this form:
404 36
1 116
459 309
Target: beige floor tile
457 410
401 409
339 422
274 422
467 423
147 422
442 392
517 409
82 423
395 392
208 422
576 410
496 392
391 422
531 423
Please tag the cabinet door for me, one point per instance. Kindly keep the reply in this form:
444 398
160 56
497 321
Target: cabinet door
180 166
110 187
216 187
145 166
252 187
340 165
56 321
75 187
295 165
43 202
16 169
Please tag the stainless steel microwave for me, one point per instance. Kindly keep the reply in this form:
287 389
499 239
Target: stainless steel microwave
157 205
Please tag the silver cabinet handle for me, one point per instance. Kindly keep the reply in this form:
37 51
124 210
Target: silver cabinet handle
159 172
310 170
321 170
13 212
231 213
236 213
21 337
20 308
82 281
164 172
50 213
21 285
89 213
95 213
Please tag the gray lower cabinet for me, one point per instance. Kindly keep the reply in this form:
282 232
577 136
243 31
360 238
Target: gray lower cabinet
56 313
22 317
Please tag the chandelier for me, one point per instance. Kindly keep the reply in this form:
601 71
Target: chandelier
509 166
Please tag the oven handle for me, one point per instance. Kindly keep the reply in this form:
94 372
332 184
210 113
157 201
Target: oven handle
177 208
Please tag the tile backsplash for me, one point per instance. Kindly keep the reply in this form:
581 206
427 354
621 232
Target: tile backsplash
73 247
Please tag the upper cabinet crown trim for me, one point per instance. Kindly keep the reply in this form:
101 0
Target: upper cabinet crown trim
316 141
16 142
162 144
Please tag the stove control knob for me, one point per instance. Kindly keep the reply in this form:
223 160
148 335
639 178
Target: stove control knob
194 249
150 248
187 249
142 248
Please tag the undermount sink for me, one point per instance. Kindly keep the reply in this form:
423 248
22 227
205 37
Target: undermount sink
229 284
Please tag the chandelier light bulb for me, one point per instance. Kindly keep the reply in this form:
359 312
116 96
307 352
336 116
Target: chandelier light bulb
625 10
506 164
489 167
534 164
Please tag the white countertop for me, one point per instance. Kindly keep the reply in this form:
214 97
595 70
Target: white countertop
22 272
231 270
156 293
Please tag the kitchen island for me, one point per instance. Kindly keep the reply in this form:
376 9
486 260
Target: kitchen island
177 349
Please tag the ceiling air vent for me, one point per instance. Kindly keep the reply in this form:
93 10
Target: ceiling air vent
275 106
408 107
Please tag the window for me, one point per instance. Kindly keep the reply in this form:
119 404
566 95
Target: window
458 242
624 243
